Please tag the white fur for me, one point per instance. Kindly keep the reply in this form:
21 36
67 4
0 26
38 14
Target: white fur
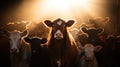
89 59
59 63
58 36
15 40
59 23
20 58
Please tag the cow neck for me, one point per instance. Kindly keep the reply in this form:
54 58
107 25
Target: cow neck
59 41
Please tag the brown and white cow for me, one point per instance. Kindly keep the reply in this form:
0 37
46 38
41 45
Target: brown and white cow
63 51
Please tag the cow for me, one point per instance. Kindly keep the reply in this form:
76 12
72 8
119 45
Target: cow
75 33
93 35
37 29
88 58
79 36
19 51
111 52
39 52
16 25
62 47
98 22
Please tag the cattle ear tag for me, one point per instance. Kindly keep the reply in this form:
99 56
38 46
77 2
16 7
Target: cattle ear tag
59 23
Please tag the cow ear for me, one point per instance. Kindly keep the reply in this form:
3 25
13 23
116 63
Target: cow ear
24 33
98 48
84 30
70 23
6 33
80 50
43 40
107 19
27 39
100 30
92 21
48 23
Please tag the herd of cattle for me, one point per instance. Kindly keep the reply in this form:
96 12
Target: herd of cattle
64 47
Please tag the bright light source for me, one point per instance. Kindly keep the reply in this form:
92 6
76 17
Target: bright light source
65 9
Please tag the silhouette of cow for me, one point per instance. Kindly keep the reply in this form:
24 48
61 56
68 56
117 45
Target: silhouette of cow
111 52
39 52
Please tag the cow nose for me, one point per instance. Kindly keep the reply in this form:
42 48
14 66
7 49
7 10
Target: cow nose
14 50
58 34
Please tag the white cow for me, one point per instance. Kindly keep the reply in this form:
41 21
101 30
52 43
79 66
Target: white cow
19 51
88 58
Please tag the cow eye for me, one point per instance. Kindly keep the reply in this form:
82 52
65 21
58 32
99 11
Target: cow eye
19 39
9 38
64 26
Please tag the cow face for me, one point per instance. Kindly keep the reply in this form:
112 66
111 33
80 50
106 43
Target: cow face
35 43
15 40
89 51
59 27
93 34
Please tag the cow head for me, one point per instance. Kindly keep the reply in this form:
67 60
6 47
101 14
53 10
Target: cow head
92 31
93 34
89 51
35 43
15 40
59 27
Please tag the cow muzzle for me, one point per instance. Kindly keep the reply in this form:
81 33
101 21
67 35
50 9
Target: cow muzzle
58 35
13 50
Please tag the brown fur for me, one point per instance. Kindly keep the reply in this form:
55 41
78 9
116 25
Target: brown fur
64 50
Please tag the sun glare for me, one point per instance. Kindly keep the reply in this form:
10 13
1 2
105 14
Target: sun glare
65 9
40 10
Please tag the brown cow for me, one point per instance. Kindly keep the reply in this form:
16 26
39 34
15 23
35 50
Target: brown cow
63 50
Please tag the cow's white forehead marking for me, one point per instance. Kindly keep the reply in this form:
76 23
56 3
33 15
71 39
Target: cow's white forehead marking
59 22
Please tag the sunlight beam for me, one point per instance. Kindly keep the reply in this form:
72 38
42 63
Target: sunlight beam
39 10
